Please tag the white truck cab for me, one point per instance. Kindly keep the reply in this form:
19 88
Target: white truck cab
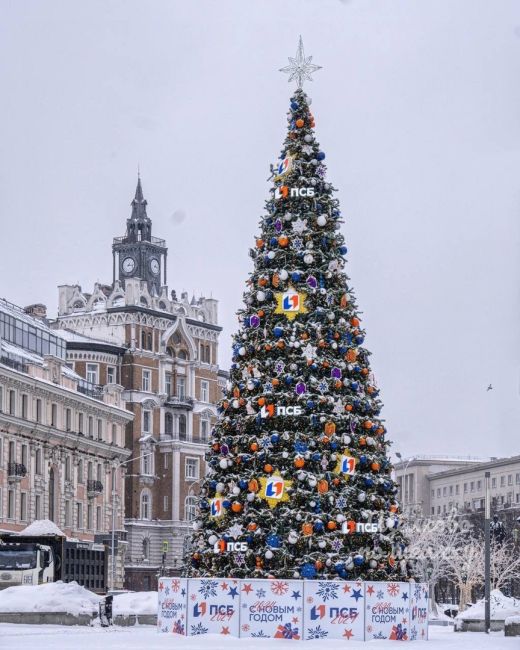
26 564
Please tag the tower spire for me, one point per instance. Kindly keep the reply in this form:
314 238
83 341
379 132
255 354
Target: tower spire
139 203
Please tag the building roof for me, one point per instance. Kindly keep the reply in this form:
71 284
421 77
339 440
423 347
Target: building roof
477 467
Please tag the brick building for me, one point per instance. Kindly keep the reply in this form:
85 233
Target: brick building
164 351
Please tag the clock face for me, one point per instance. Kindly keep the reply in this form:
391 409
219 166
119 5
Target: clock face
128 264
154 265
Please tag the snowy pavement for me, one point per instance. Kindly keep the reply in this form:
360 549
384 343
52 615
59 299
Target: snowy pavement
53 637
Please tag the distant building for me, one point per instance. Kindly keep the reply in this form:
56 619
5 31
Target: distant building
436 485
61 437
164 351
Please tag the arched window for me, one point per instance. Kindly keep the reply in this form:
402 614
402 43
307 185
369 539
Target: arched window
143 301
168 424
162 305
204 429
190 508
149 345
182 427
146 548
143 340
182 354
176 338
146 505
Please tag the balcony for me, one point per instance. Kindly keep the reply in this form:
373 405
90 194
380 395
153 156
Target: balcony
16 471
90 390
15 364
94 488
182 402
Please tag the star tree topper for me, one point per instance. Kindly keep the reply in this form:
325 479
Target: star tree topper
300 67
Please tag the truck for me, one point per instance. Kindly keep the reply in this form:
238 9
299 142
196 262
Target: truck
30 560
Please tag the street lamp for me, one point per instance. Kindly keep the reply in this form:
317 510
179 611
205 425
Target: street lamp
403 484
487 554
113 541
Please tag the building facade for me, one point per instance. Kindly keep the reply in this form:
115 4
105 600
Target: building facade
62 439
165 354
433 485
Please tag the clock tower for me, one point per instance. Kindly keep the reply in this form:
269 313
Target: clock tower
137 254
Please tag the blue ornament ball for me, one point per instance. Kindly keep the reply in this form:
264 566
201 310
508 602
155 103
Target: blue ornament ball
273 541
343 250
294 106
318 526
295 276
278 331
242 484
320 155
358 560
275 438
308 570
310 404
226 504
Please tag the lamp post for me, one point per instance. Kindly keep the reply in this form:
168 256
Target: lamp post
487 554
399 455
113 541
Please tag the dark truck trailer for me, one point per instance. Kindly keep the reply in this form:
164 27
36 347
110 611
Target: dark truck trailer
83 562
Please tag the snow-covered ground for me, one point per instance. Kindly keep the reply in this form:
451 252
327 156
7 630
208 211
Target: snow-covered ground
50 637
53 597
501 607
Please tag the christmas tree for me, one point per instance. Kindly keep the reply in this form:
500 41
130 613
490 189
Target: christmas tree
299 481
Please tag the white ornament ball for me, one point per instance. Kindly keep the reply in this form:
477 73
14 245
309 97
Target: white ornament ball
271 255
242 352
212 539
373 564
322 543
250 496
223 463
292 538
196 525
308 259
236 403
220 487
307 138
268 555
285 454
322 220
283 274
236 490
362 496
260 296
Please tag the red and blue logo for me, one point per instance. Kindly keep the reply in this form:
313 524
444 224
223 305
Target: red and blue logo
348 465
285 166
274 487
291 302
216 507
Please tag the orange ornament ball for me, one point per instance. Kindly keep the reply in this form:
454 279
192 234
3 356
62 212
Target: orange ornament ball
364 372
253 486
323 486
283 241
351 356
338 384
307 529
367 424
348 407
331 525
335 481
304 336
236 507
299 123
268 468
375 467
318 565
253 446
354 321
393 508
325 440
262 282
380 430
299 462
275 381
259 243
236 392
252 526
268 347
261 401
280 344
362 442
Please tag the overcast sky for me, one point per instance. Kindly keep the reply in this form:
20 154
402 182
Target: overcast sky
417 108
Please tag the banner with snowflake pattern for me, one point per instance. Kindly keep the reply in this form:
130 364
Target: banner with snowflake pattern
334 610
271 609
387 611
419 611
213 606
173 600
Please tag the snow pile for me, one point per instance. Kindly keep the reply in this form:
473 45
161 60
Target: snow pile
42 527
512 620
501 608
141 602
51 597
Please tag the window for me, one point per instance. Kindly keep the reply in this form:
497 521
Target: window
168 383
145 504
146 548
146 421
494 482
191 468
38 507
25 461
67 513
190 506
146 463
149 342
205 353
502 481
182 427
38 462
80 471
38 410
25 406
10 504
68 419
111 375
1 399
204 430
90 471
166 462
510 479
79 515
90 521
451 490
100 429
90 426
433 493
23 506
12 451
114 434
80 422
479 485
433 510
457 489
98 518
438 493
92 373
54 415
181 387
99 473
168 424
465 487
444 491
517 478
12 402
165 504
472 486
204 391
146 381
